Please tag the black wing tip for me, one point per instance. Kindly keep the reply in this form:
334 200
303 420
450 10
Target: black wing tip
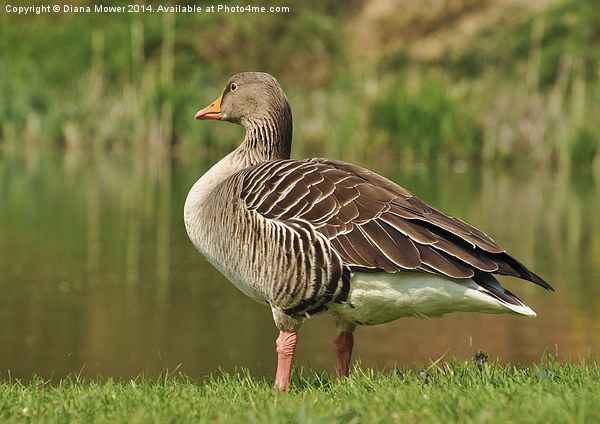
523 272
541 282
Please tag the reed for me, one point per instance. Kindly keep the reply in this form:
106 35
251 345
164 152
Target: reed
527 90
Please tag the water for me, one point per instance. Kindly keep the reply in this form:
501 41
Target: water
98 277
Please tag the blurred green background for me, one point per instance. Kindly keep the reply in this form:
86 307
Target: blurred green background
417 82
486 109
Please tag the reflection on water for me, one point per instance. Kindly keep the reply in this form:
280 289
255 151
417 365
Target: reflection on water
97 273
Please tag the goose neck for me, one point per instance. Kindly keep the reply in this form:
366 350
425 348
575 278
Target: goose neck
267 139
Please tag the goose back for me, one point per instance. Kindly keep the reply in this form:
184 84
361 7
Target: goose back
372 223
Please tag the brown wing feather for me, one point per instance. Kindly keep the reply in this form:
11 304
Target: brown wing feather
373 223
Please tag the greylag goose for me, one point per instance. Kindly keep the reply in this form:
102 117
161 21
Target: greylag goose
315 236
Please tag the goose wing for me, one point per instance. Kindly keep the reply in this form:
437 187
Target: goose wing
372 223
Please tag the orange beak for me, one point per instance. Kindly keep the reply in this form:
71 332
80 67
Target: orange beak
213 111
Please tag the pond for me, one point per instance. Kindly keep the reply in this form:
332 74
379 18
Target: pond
98 277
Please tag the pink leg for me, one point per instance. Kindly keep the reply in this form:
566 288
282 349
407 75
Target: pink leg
342 346
286 345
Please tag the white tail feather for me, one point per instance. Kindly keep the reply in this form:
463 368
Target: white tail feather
376 298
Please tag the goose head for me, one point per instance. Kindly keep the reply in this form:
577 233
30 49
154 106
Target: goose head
256 101
248 96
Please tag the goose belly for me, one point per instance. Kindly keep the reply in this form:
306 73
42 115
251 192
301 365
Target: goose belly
377 298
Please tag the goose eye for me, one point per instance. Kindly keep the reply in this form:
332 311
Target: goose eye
233 86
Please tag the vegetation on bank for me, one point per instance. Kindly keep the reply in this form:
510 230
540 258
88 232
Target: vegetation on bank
522 90
472 391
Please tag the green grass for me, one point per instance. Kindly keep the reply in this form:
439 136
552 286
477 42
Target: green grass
452 391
